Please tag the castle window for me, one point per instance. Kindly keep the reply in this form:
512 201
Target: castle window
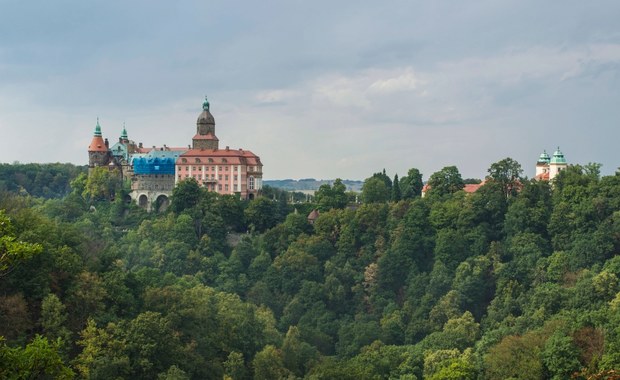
235 177
251 183
220 168
224 160
219 187
226 177
219 177
198 160
179 168
226 187
193 168
226 168
235 168
210 160
187 168
183 160
213 168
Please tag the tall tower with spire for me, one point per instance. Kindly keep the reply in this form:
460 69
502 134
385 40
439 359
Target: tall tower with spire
205 130
98 152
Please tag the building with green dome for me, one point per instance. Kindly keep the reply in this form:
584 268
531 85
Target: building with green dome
549 167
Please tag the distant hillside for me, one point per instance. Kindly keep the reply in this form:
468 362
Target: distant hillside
40 180
310 184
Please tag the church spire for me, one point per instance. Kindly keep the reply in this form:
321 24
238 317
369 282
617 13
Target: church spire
124 133
97 128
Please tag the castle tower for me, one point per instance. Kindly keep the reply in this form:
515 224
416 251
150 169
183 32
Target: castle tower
557 163
124 138
205 130
542 165
98 154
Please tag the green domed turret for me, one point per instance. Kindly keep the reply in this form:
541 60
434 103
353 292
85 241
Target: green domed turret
544 158
558 157
124 133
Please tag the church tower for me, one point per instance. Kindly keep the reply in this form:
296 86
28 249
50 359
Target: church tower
542 165
557 164
205 130
98 154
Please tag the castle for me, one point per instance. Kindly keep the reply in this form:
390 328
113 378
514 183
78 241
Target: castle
549 167
546 169
155 171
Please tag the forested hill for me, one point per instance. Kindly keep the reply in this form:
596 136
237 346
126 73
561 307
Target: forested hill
516 280
39 180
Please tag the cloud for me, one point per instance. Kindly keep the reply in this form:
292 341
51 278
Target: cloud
279 96
406 81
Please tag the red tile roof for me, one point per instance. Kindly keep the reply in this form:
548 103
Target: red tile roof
205 137
232 156
468 188
97 145
314 214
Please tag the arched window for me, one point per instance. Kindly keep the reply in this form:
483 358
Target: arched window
251 183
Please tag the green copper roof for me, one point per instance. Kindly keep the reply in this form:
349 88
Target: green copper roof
205 104
544 158
124 133
97 129
558 157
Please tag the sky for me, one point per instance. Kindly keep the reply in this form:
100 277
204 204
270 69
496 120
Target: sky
318 89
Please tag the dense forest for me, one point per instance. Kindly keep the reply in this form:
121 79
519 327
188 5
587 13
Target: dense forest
518 280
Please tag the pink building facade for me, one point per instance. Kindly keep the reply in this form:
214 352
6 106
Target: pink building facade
225 171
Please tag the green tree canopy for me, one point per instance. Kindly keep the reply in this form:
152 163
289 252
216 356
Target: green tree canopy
411 185
446 181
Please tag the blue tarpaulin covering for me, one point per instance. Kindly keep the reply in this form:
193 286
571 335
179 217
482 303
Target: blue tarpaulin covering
143 165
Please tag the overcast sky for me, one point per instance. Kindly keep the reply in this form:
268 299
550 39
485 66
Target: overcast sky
319 89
